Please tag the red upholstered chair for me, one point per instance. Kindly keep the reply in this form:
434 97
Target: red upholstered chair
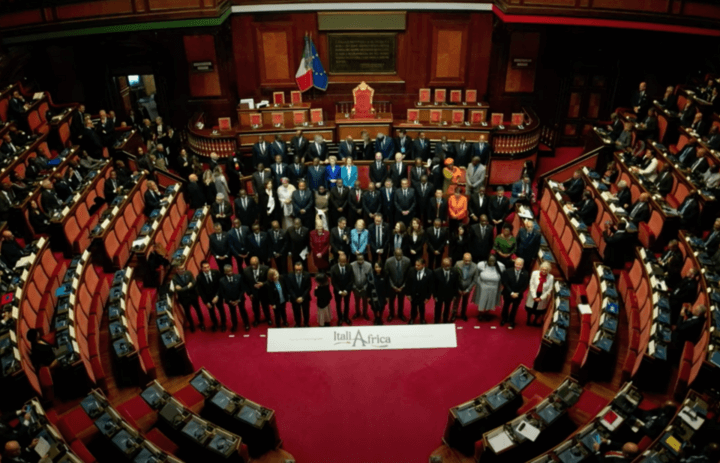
363 99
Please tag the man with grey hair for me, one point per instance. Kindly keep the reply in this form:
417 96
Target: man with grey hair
384 145
475 176
318 149
221 211
360 269
515 281
467 271
623 195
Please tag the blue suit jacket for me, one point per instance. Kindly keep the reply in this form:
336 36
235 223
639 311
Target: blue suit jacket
349 180
387 148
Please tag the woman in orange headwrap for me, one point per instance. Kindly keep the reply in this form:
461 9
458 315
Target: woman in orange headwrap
453 176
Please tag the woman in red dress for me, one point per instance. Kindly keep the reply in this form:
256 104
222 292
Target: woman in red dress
320 247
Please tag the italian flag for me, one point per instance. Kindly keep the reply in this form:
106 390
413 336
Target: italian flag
304 74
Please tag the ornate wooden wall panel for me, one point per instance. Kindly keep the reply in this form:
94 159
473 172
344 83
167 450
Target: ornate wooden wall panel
275 50
159 5
449 53
93 9
202 48
523 45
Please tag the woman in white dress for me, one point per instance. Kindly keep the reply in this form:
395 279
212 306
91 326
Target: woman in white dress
487 287
285 192
321 206
221 185
538 298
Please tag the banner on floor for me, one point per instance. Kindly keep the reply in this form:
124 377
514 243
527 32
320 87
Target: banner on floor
372 337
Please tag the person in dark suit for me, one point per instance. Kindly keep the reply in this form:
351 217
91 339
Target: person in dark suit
404 144
700 125
378 238
435 176
366 149
280 148
194 193
640 100
586 209
482 150
299 145
49 199
338 201
418 290
388 201
619 244
112 187
105 128
342 278
278 295
279 247
62 188
463 153
279 170
237 242
221 211
219 247
421 148
424 192
371 203
690 325
640 211
378 172
384 145
648 128
689 212
255 277
444 149
713 142
396 269
445 290
10 251
652 422
669 100
515 281
17 107
482 239
687 155
246 209
417 172
686 292
437 240
258 245
261 153
260 178
8 148
340 239
77 123
208 288
153 198
296 171
665 180
91 141
298 285
404 203
521 192
299 238
574 187
623 195
318 149
302 202
232 293
347 149
355 203
398 171
437 209
700 165
713 239
498 209
478 206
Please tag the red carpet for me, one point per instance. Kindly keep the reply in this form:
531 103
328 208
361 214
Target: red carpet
380 406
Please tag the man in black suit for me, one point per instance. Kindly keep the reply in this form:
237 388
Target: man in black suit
299 145
338 202
417 172
611 452
340 239
347 149
648 128
515 281
665 180
105 128
342 281
478 206
279 170
619 244
378 238
672 262
91 141
652 422
232 293
396 269
246 209
700 165
418 290
686 292
586 210
279 247
640 100
62 188
49 199
8 148
687 155
208 288
261 153
371 203
219 247
482 239
437 240
255 277
318 149
237 242
366 150
183 284
421 147
17 107
424 192
302 202
689 211
574 187
437 209
623 195
112 187
463 152
153 198
713 239
194 193
445 289
355 203
388 201
690 326
258 245
378 172
297 171
78 121
221 211
640 211
444 149
499 208
299 237
10 251
298 285
404 203
482 150
404 144
700 125
261 177
280 148
398 171
7 200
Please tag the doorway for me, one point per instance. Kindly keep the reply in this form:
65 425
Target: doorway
138 93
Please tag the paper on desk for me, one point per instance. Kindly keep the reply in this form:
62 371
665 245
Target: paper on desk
584 309
693 419
42 447
23 261
528 431
304 253
500 442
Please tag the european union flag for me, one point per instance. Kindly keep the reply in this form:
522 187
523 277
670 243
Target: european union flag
320 77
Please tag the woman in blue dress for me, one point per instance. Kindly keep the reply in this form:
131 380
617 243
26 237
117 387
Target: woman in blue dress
332 173
349 173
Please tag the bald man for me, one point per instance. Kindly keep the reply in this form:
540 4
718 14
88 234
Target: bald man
515 282
10 251
610 452
445 289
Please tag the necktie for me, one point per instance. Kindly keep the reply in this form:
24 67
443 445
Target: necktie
299 279
276 235
257 238
114 185
277 169
422 143
398 269
245 203
466 272
221 208
378 165
340 190
342 270
208 275
237 230
262 148
230 279
405 192
423 189
420 275
256 274
437 233
685 206
397 241
517 275
399 167
447 276
358 195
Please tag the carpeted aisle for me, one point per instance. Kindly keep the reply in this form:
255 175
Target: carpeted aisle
365 407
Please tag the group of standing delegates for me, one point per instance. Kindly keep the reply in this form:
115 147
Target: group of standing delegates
302 213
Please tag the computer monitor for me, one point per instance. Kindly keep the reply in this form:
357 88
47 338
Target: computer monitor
133 81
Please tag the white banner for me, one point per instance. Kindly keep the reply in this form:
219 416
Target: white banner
374 337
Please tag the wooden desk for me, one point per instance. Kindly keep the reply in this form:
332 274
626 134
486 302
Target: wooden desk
446 110
354 127
287 111
247 138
